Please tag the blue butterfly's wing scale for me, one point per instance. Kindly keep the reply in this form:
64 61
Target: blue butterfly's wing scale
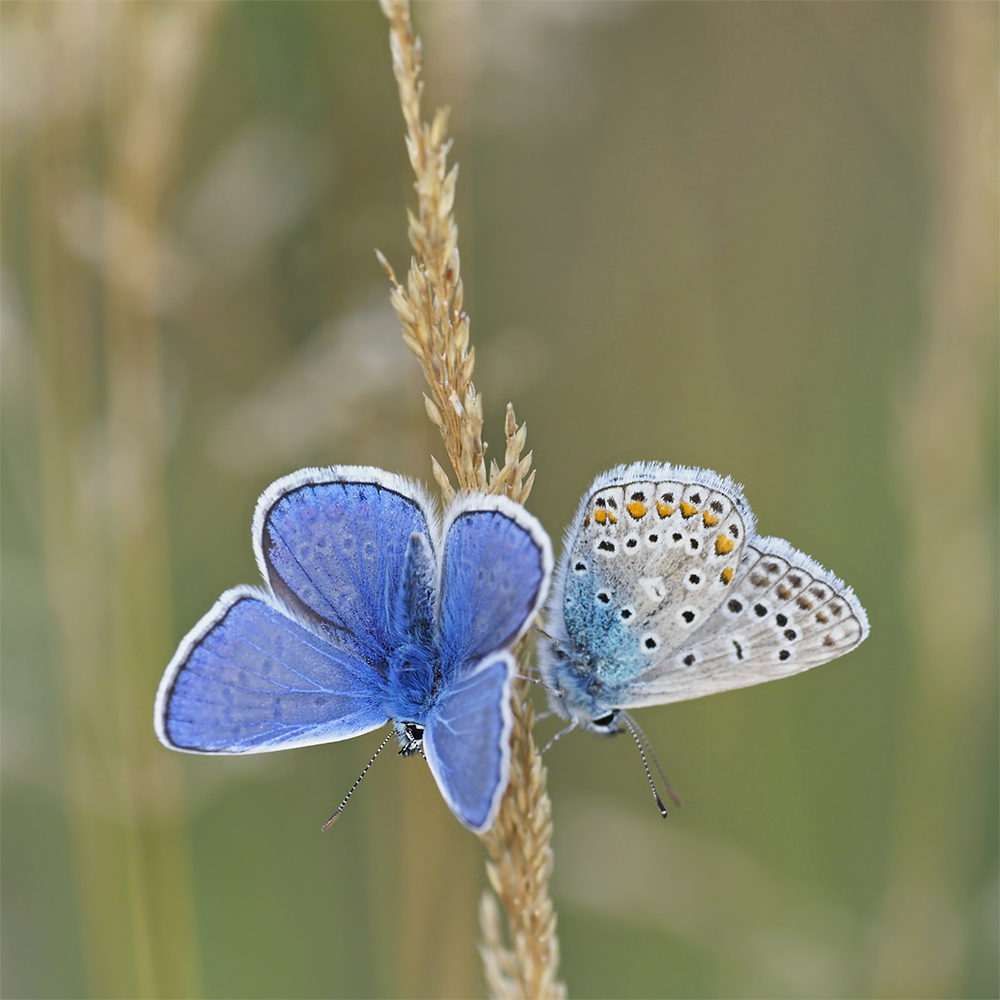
467 741
248 678
332 545
495 570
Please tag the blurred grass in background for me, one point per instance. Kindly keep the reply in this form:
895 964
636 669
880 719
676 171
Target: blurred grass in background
759 238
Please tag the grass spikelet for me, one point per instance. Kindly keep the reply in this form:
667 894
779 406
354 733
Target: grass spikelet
519 872
436 329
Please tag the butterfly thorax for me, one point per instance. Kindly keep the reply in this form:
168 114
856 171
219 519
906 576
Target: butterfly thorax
413 680
577 691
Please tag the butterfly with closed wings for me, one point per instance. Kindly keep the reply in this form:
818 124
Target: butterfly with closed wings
664 592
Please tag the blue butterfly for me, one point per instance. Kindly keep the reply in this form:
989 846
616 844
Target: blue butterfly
374 611
665 592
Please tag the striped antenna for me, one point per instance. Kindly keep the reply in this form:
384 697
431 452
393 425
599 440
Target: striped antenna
340 808
642 753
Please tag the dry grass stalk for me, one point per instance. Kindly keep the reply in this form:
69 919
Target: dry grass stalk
436 329
520 846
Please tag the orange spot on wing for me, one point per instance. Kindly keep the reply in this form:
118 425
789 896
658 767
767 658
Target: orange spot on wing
710 519
727 575
688 509
601 516
612 518
664 509
636 509
586 521
724 545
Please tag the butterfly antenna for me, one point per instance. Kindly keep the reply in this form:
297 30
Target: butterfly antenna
642 753
674 797
559 736
340 808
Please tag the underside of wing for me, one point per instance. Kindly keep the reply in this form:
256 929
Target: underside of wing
248 679
648 561
785 614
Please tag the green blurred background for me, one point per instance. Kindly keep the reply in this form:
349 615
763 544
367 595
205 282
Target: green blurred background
760 238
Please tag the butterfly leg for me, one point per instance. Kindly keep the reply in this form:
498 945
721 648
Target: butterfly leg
559 735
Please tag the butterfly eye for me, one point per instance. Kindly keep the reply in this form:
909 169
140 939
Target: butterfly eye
412 738
606 722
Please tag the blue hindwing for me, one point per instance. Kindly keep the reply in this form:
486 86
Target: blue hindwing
467 741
